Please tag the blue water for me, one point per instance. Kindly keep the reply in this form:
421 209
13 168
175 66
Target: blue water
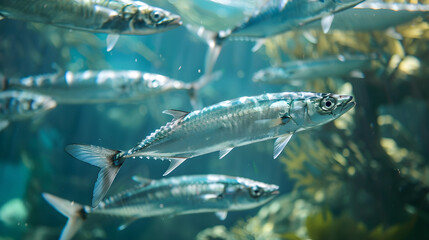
379 184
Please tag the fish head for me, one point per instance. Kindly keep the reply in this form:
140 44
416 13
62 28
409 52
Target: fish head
272 75
27 104
249 194
144 19
319 109
40 104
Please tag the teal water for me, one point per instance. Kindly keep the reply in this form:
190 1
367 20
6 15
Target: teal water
364 176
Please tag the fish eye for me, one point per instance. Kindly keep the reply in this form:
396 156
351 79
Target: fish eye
156 15
328 103
256 192
155 83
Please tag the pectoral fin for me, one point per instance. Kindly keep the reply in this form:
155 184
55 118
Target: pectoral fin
327 22
280 144
174 163
310 37
177 114
111 41
221 215
224 152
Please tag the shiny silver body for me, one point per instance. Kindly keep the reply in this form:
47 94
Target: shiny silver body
279 16
18 105
219 127
107 16
239 122
375 15
98 86
337 66
170 197
186 195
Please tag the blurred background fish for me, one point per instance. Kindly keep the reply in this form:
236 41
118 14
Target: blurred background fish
98 86
19 105
112 17
170 197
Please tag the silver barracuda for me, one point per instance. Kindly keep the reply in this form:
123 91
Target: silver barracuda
98 86
275 17
375 15
19 105
170 197
219 127
104 16
342 65
279 16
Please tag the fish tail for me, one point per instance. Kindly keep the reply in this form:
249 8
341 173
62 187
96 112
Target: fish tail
198 84
104 158
212 54
75 213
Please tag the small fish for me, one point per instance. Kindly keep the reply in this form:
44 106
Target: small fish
113 17
220 127
275 17
342 65
19 105
372 16
98 86
279 16
170 197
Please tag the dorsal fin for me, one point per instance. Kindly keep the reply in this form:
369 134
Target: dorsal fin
177 114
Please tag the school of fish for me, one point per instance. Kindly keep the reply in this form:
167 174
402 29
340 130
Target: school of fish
219 128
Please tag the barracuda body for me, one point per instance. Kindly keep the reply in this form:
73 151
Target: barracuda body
279 16
98 86
375 16
170 197
338 66
19 105
120 16
275 17
220 127
113 17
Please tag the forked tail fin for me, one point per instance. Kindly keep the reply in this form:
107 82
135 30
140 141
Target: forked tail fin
214 42
103 158
198 84
73 211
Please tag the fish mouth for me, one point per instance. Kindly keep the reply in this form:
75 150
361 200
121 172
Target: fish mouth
348 104
177 21
275 192
173 21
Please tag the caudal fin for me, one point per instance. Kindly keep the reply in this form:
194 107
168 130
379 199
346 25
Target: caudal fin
200 83
73 211
213 40
103 158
